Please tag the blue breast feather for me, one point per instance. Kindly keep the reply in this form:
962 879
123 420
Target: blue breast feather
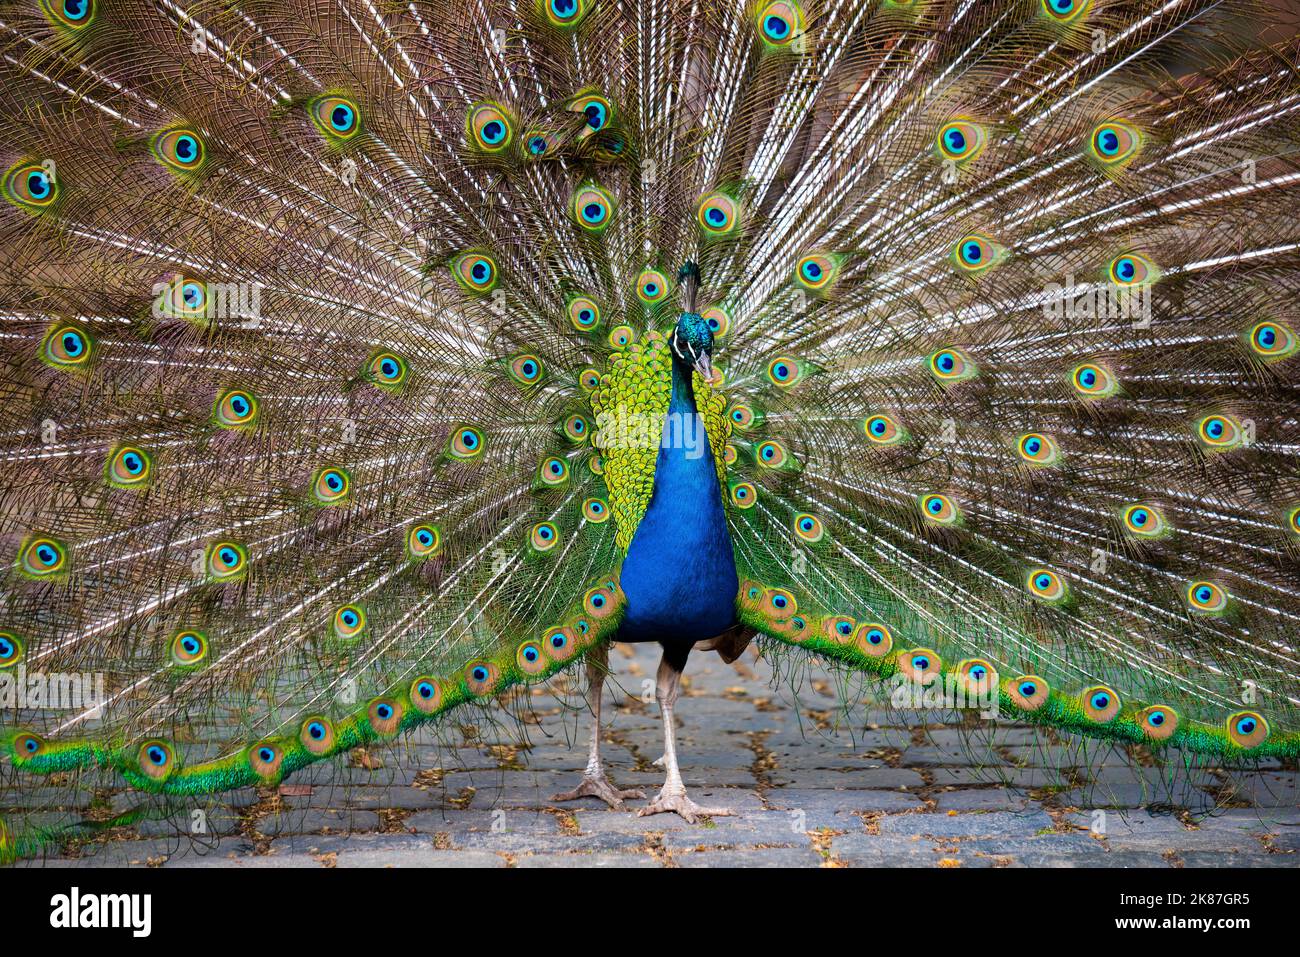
680 574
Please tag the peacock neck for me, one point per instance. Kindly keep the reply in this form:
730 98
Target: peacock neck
682 400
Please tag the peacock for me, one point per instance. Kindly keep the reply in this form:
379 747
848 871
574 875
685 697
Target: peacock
368 360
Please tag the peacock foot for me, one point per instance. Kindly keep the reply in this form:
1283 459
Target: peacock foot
599 786
676 802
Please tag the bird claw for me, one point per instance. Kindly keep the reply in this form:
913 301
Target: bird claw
599 786
678 803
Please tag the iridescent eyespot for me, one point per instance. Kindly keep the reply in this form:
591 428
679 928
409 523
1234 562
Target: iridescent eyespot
423 541
729 455
939 509
651 287
599 602
719 320
620 337
481 677
265 759
565 13
1131 269
185 297
596 109
783 371
1272 340
874 640
27 745
1206 597
583 313
426 695
1114 143
960 141
838 628
779 23
1028 692
1293 521
778 603
576 428
188 648
883 430
770 454
553 472
976 253
1066 11
1158 721
331 486
179 149
1144 520
538 143
226 561
336 116
476 272
31 186
718 214
386 715
1220 432
235 409
921 665
589 379
815 271
1100 704
156 759
977 675
317 735
11 649
951 365
465 442
741 416
349 622
1094 381
543 536
794 628
526 369
744 495
596 463
592 208
560 644
42 557
69 14
1247 729
809 527
1046 585
531 659
489 127
128 467
386 370
67 347
1038 449
595 510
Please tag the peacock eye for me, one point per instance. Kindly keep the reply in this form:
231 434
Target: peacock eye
235 409
31 186
960 141
1272 340
1131 269
179 149
1100 704
69 14
330 486
651 286
595 109
809 528
156 760
67 348
349 621
1066 11
779 23
815 271
11 649
1093 381
476 272
583 313
525 369
1220 432
718 214
592 208
951 365
1248 729
565 13
975 253
466 442
336 116
1038 449
744 495
42 557
489 127
1046 585
1206 597
939 509
188 648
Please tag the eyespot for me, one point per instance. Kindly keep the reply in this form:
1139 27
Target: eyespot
156 759
27 745
718 214
31 186
565 13
599 602
951 365
576 428
43 557
838 628
235 409
526 369
386 370
1028 692
336 116
589 379
779 23
128 467
1066 11
1114 142
874 640
960 141
783 371
1100 704
1046 585
744 495
1131 269
11 649
939 509
317 735
1206 597
531 659
188 648
476 272
560 643
1144 521
977 675
426 695
1247 729
596 464
652 287
719 320
539 143
771 454
465 442
1219 431
976 253
620 337
481 676
185 297
423 541
584 313
67 347
741 416
729 455
265 759
543 537
1293 521
595 510
489 127
553 472
331 486
794 628
1272 340
69 14
921 665
592 208
179 149
883 430
349 622
1038 449
815 271
778 603
226 561
1158 721
386 715
809 527
596 109
1094 381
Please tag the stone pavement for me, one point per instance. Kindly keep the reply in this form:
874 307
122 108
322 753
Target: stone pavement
883 788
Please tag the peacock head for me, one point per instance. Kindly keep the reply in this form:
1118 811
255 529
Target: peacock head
693 343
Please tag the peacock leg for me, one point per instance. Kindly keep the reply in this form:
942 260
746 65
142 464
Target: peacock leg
672 796
594 782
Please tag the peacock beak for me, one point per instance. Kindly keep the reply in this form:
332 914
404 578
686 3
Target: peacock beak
704 366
